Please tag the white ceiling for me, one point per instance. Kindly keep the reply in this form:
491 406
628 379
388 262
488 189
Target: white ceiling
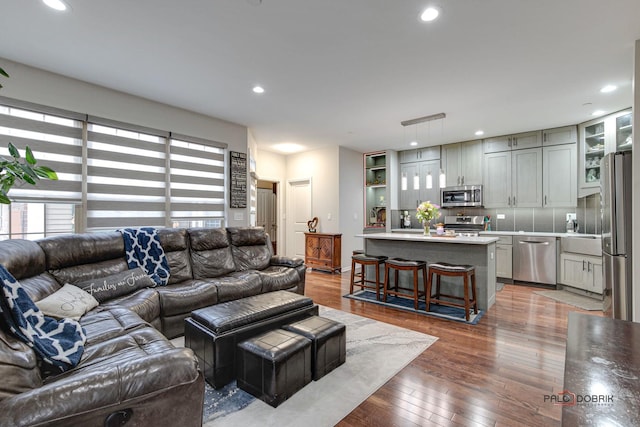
344 72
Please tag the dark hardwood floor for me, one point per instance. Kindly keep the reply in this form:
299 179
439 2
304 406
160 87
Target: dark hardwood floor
495 373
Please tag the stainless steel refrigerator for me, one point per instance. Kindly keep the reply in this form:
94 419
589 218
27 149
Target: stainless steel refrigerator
615 191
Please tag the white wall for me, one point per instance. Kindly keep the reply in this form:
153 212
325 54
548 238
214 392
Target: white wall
635 227
54 90
322 166
351 203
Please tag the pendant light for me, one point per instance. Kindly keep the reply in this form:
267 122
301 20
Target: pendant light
416 181
442 179
403 182
429 180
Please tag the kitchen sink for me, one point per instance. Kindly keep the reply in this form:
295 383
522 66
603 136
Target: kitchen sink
587 245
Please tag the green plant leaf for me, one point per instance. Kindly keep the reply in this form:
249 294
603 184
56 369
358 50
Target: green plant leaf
3 72
4 199
45 172
29 156
13 151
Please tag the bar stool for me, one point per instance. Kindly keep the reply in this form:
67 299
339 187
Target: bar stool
358 252
364 260
405 265
467 272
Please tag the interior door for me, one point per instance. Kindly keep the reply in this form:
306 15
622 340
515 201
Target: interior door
267 213
298 213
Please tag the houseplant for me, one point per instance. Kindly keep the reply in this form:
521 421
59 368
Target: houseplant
425 212
18 170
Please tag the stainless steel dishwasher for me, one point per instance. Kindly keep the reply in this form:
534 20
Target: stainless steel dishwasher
534 259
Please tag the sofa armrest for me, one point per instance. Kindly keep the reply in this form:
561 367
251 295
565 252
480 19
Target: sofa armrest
286 261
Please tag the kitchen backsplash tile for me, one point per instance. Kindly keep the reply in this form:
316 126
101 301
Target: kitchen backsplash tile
551 220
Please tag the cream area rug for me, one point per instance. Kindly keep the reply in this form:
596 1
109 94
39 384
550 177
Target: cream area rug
376 351
576 300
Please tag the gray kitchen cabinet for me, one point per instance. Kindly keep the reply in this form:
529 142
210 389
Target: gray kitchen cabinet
408 194
513 179
429 194
559 176
581 271
504 257
420 154
416 191
561 135
517 141
462 163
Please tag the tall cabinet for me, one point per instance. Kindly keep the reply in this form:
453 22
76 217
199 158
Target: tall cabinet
599 137
559 167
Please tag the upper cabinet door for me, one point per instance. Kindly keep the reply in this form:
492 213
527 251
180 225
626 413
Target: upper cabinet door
471 162
430 168
560 177
526 178
497 180
524 140
451 164
516 141
623 128
562 135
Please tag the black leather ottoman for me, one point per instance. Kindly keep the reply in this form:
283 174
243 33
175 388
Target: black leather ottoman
214 332
328 338
275 365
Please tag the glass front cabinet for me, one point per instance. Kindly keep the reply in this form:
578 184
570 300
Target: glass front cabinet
599 137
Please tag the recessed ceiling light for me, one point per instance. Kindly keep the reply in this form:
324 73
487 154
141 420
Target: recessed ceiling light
413 143
429 14
56 4
479 132
608 88
597 113
258 89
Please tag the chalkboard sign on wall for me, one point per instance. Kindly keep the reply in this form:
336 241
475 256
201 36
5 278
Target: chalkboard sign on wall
238 181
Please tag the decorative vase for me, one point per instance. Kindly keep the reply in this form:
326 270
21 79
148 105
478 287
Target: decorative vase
427 231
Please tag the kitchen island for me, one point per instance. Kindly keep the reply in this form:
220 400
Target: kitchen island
476 251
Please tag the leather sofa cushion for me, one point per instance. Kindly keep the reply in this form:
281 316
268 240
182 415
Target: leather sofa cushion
175 243
249 247
210 253
238 285
83 272
247 236
77 249
277 278
106 323
22 258
230 315
40 286
186 296
145 303
18 366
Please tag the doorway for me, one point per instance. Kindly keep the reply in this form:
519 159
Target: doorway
267 210
298 213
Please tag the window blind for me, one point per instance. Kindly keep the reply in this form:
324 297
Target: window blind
126 175
197 178
55 137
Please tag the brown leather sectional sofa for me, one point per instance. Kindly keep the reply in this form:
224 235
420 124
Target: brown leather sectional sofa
129 371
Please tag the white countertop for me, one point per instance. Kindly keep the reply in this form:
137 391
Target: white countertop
420 237
505 233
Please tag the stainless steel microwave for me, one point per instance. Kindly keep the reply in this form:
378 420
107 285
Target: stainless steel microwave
462 196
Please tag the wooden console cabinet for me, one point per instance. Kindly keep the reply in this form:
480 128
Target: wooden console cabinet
323 251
